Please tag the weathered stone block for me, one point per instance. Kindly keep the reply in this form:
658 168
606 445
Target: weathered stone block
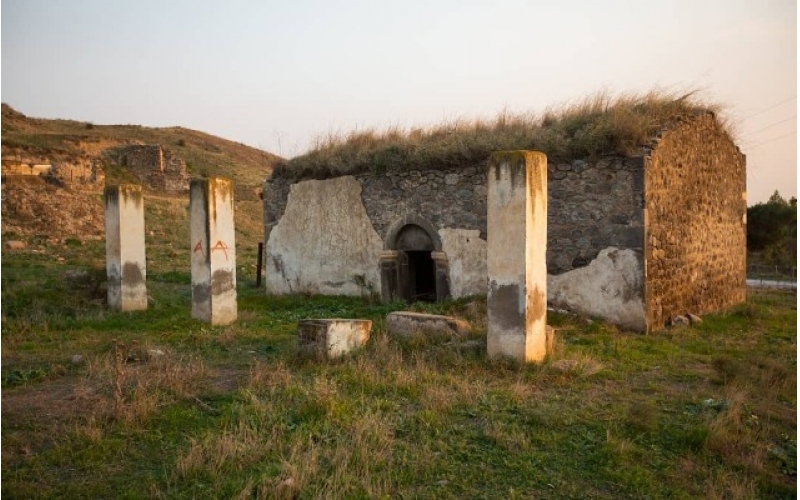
213 251
125 252
407 324
516 248
332 338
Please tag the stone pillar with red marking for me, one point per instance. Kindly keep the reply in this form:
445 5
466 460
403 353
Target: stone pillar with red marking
125 256
516 247
213 251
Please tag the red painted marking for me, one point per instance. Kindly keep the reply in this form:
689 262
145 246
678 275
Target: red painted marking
198 247
219 245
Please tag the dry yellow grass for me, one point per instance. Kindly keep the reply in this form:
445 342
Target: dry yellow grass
599 124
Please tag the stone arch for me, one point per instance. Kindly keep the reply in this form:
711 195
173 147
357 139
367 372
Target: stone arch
413 266
403 224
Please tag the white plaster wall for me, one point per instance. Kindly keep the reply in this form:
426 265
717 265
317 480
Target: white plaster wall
466 258
323 240
610 287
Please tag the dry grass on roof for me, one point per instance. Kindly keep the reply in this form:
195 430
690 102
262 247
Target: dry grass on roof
601 124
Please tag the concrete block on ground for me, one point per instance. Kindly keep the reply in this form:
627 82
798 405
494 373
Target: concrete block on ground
125 252
213 251
516 247
407 324
332 338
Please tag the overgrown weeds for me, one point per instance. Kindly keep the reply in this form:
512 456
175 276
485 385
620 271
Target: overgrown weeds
600 124
178 409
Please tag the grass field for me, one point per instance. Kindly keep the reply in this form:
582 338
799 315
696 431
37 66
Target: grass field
163 406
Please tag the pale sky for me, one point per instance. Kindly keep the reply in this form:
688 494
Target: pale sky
278 74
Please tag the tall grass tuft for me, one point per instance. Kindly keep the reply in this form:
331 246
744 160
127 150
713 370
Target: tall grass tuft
597 125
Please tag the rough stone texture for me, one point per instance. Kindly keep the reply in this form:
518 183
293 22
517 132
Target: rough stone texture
125 252
695 222
324 242
407 324
610 287
693 180
516 247
466 256
591 204
156 166
213 251
70 169
332 338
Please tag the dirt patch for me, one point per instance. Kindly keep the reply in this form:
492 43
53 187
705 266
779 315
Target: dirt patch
34 206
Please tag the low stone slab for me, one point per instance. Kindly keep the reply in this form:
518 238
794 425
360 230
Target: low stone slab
332 338
406 324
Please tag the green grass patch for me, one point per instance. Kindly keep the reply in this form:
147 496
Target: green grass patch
161 405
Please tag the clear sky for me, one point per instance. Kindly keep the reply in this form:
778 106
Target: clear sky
278 74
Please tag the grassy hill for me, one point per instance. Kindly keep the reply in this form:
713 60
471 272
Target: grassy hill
203 153
49 217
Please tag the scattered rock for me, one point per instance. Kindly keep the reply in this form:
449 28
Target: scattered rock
16 245
77 359
679 320
694 319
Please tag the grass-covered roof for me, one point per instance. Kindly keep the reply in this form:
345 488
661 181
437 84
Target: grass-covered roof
598 125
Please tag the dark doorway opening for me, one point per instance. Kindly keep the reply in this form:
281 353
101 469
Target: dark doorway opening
413 266
421 276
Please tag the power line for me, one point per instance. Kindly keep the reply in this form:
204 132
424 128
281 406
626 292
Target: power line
774 139
769 108
773 124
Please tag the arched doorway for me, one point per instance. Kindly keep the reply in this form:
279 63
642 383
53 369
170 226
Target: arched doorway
413 267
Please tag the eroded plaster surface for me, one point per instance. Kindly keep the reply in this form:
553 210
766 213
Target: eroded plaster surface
466 257
324 242
610 287
516 246
125 248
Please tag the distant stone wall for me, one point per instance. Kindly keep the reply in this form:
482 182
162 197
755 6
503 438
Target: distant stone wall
73 170
157 167
695 228
592 205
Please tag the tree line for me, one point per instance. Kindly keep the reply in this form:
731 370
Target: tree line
772 232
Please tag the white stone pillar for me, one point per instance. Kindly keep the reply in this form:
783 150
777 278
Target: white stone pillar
213 251
516 248
125 256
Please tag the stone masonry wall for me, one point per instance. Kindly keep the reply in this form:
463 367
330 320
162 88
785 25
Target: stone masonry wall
157 167
695 222
592 204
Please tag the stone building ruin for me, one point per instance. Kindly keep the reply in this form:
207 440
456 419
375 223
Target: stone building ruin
154 165
636 239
